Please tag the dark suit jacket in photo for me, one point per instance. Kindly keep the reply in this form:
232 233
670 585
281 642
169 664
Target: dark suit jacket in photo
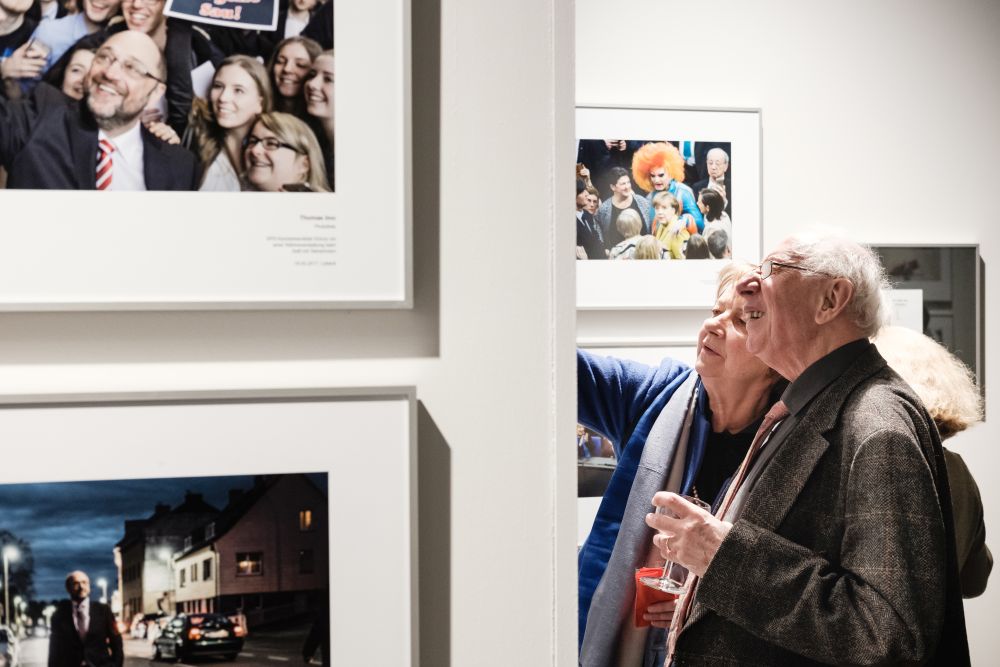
101 647
588 236
49 142
845 549
701 185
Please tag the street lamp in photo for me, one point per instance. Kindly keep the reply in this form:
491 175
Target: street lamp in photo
103 583
10 553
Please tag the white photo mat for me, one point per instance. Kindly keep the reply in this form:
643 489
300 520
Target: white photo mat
675 284
69 250
363 438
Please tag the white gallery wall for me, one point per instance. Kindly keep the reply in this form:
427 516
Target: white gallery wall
879 117
488 344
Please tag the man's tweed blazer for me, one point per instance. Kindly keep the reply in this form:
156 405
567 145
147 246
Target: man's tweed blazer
845 550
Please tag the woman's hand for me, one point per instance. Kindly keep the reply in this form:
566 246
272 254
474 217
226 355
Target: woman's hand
163 132
659 614
23 63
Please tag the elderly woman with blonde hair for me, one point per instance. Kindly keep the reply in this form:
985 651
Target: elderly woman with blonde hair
948 390
673 427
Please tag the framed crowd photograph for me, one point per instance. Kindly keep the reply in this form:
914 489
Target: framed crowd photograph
235 513
211 155
672 184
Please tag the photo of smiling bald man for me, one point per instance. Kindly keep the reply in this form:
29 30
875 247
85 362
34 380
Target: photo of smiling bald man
46 143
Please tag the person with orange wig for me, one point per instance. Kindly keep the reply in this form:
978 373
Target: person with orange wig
659 167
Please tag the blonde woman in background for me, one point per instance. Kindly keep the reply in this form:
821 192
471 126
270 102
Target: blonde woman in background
948 390
649 247
282 155
629 226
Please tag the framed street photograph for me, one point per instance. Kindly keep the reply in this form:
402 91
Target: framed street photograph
678 186
212 525
211 155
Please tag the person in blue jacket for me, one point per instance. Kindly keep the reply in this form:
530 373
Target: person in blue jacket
674 428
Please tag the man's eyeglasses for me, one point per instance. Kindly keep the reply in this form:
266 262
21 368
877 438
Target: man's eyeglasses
766 268
270 144
133 69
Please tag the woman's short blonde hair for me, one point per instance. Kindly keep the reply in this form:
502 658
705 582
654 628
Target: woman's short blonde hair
629 223
648 247
945 384
731 274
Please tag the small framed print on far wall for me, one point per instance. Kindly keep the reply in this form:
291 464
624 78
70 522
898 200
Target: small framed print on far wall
680 186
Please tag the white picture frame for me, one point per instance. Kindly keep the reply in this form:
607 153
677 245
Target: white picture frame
636 285
67 250
363 438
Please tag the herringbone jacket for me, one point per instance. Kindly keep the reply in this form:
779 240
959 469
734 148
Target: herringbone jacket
845 550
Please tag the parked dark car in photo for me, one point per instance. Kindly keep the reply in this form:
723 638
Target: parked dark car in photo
193 635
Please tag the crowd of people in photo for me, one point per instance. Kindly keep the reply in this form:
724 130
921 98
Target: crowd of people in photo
114 95
633 200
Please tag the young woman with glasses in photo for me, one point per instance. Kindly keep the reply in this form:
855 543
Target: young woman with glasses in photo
281 154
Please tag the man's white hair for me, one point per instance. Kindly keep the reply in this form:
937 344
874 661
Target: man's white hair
836 255
718 151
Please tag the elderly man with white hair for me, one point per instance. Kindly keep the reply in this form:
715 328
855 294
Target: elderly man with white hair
835 542
717 167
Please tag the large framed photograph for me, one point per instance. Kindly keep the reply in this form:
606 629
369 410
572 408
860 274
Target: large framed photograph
211 526
678 186
185 154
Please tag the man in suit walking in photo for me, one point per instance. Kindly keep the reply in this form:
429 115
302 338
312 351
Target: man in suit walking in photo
83 633
835 542
50 142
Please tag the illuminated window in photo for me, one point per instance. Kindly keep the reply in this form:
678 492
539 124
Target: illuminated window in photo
249 563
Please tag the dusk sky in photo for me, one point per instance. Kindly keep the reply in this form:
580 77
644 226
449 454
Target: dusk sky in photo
75 525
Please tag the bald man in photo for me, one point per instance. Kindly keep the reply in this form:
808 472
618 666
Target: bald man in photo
83 632
49 142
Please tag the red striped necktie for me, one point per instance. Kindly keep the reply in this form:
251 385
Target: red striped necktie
104 150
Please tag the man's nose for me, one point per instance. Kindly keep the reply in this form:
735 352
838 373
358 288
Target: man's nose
748 284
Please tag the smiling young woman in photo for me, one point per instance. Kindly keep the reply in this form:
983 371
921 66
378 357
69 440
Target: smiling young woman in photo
282 155
239 94
70 73
147 16
288 67
76 73
318 91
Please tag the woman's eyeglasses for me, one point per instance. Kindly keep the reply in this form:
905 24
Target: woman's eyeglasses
270 144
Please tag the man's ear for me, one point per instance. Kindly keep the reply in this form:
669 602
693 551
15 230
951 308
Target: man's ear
834 299
155 94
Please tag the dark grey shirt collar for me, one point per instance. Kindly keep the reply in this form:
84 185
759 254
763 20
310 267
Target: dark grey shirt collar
820 374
